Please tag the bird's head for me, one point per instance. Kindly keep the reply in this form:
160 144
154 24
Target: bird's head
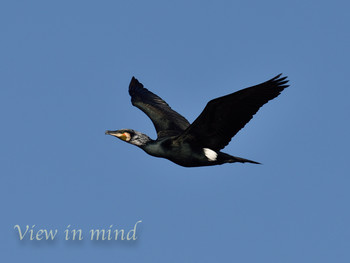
130 136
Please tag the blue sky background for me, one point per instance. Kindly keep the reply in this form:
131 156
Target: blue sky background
65 67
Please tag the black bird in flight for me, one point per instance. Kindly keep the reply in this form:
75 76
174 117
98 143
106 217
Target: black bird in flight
199 143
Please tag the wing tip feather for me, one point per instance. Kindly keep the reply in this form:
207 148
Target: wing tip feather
134 86
279 82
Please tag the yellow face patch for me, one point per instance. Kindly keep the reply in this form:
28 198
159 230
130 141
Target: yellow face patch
124 136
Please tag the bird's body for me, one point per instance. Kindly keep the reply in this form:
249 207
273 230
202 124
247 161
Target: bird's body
187 155
198 144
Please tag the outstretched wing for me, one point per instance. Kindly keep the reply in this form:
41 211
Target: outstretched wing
223 117
166 121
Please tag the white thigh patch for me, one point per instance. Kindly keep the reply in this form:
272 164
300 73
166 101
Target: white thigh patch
210 154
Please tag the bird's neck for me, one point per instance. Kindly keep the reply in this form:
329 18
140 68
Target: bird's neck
150 146
141 140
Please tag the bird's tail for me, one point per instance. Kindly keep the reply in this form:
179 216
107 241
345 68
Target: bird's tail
241 160
234 159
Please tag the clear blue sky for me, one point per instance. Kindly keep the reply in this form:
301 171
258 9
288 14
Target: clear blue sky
65 67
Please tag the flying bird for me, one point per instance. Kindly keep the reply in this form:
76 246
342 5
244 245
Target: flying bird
199 143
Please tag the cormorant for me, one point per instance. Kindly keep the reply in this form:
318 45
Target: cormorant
199 143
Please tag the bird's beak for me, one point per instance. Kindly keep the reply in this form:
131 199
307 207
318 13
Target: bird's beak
109 132
123 136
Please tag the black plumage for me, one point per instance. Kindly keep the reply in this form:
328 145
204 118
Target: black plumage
199 143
